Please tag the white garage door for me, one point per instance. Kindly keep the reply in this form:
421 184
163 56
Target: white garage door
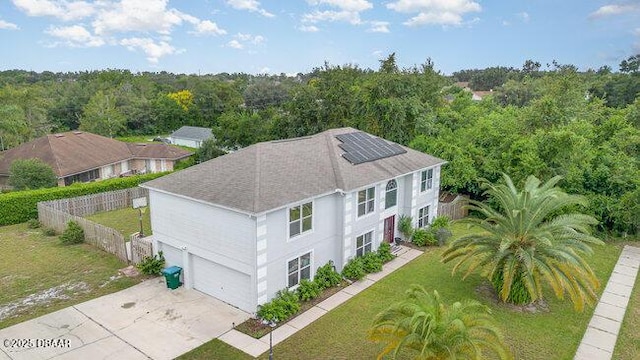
172 255
223 283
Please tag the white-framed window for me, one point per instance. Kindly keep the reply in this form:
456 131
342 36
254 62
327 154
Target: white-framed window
363 243
426 180
391 195
366 201
300 219
298 269
423 217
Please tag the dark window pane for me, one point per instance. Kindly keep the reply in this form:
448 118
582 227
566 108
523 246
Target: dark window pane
293 279
362 196
305 260
371 193
390 199
307 209
361 208
359 252
294 228
359 241
305 273
306 224
370 206
294 213
293 266
367 248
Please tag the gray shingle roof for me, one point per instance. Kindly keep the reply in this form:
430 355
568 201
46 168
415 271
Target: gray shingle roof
192 133
273 174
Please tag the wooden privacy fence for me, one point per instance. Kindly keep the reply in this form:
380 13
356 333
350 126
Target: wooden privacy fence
139 248
90 204
453 207
57 213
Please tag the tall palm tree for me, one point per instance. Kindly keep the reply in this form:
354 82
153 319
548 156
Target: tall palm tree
433 330
525 240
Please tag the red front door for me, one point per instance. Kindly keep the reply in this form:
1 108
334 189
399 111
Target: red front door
389 227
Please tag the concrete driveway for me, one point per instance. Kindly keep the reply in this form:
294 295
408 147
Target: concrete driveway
146 321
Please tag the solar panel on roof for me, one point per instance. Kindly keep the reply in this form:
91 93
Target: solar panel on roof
361 147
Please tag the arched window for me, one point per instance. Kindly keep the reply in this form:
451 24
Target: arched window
391 198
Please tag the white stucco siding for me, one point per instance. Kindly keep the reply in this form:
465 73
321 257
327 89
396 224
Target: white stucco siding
202 227
185 142
323 241
429 197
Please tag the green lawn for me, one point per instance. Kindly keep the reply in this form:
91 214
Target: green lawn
126 221
341 334
65 275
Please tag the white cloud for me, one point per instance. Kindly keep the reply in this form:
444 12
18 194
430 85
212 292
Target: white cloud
614 9
154 50
308 28
379 26
342 11
207 27
435 12
240 40
144 25
264 70
138 15
61 9
346 5
5 25
331 16
524 16
249 5
235 44
76 36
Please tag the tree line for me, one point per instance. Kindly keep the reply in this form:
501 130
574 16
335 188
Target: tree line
581 125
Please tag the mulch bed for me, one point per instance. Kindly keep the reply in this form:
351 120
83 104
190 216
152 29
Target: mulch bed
255 328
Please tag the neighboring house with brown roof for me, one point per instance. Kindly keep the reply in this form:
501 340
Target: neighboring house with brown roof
250 223
79 156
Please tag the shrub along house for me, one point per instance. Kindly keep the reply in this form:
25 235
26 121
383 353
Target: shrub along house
247 224
79 156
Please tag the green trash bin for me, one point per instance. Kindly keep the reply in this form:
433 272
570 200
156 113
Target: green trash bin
172 275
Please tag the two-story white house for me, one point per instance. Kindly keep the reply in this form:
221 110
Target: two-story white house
250 223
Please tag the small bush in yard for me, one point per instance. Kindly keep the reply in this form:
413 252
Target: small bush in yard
423 237
282 307
371 262
354 269
152 265
384 252
327 276
73 234
33 224
308 289
49 231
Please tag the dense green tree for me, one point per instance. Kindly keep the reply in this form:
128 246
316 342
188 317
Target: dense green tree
208 150
101 116
31 174
528 240
14 129
423 327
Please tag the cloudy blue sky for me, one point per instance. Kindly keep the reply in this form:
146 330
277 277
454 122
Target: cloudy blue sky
291 36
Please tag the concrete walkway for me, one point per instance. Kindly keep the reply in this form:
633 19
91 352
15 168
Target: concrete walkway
600 338
255 347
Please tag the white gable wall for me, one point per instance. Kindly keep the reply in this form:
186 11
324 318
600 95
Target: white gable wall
191 233
185 142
